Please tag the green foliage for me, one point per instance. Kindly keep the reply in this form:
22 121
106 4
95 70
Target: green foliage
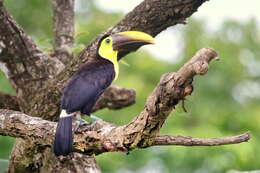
6 142
33 15
222 103
5 86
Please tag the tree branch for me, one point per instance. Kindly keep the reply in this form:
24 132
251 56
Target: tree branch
63 17
26 159
142 132
32 129
152 17
24 64
115 97
36 128
9 102
18 124
191 141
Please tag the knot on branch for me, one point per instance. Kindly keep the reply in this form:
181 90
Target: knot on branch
201 64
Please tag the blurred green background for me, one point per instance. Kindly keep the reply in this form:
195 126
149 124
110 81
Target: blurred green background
225 101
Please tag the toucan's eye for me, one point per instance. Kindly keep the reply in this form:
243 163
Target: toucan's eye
107 41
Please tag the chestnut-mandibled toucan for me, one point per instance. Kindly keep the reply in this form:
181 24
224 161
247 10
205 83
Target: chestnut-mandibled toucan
90 81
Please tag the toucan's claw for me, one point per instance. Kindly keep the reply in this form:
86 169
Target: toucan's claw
80 122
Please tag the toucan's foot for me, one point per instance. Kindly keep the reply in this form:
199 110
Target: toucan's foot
95 118
81 121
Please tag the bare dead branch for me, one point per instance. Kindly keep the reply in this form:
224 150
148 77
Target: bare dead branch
9 102
191 141
63 18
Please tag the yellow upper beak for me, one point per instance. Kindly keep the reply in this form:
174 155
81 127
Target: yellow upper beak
138 35
131 40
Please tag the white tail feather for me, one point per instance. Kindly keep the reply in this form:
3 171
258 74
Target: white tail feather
64 114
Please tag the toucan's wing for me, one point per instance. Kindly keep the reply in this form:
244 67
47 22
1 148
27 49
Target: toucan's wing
88 83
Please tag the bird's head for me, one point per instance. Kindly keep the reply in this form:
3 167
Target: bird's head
120 43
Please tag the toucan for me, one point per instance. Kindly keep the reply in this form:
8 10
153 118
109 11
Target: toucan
91 80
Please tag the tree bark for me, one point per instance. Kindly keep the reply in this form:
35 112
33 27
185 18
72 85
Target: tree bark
9 102
41 133
39 80
190 141
63 19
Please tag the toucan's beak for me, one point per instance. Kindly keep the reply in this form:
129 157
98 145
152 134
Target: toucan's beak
131 40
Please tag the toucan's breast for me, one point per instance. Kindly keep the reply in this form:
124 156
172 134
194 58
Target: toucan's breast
86 85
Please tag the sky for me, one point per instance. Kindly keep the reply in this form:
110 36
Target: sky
214 12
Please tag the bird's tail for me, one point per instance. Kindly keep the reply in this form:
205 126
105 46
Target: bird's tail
63 138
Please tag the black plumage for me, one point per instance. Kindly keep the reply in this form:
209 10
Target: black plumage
80 95
91 80
87 84
63 137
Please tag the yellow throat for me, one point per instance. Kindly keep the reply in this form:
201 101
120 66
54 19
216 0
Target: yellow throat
106 51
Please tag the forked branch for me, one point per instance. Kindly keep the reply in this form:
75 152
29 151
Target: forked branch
24 64
142 132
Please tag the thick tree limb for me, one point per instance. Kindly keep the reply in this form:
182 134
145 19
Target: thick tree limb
190 141
63 18
19 125
43 161
24 64
9 102
141 132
